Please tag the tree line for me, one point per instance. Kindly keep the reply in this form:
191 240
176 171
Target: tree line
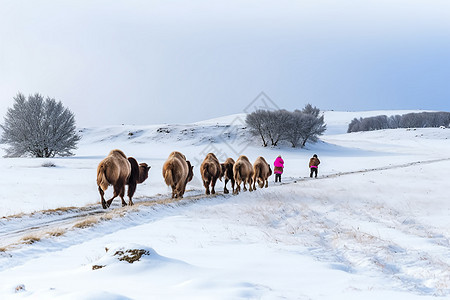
410 120
296 127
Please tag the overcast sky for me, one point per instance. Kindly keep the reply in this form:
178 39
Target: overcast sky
179 61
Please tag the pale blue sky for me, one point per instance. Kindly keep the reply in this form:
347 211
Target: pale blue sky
146 62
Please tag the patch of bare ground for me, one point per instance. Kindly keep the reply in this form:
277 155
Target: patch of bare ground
131 255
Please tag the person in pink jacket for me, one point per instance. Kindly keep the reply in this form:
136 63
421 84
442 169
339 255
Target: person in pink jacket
278 170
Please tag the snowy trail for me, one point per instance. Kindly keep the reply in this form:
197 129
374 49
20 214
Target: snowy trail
423 269
17 230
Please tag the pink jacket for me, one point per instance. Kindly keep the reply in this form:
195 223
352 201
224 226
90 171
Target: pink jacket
279 165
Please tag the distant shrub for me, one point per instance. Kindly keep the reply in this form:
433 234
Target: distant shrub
48 164
410 120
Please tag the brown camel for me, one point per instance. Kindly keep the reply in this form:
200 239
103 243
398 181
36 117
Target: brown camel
243 172
177 172
227 173
262 172
210 170
118 170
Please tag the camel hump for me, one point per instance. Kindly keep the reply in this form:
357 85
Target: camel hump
117 152
211 156
134 174
177 154
261 159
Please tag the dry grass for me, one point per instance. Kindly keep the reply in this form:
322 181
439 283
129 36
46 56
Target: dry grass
18 215
86 223
56 232
31 239
59 210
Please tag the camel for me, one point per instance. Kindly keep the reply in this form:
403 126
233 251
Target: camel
227 172
210 170
262 172
118 170
177 172
243 172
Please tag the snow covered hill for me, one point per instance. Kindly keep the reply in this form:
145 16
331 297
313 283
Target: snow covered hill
374 224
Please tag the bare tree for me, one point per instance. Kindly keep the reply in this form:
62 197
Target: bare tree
296 127
255 121
277 125
394 121
314 126
355 125
42 128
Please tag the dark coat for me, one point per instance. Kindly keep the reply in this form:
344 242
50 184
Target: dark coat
314 161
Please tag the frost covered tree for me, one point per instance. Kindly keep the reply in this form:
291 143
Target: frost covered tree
256 122
38 127
314 126
415 120
296 127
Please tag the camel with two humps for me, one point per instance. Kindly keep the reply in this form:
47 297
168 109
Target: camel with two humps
119 170
211 170
177 172
262 172
243 173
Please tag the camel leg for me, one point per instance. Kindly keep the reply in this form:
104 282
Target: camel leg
122 195
267 183
117 192
213 185
180 189
232 184
206 185
225 190
245 188
238 187
250 184
131 191
174 191
102 193
108 202
261 182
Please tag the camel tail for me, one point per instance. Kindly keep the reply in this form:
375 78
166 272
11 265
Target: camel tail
168 176
256 172
102 181
206 172
237 174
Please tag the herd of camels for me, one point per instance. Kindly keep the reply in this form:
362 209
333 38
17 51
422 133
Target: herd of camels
119 171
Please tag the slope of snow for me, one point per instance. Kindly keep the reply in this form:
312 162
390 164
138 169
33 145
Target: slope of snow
374 224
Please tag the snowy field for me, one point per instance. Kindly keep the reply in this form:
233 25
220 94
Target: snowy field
374 224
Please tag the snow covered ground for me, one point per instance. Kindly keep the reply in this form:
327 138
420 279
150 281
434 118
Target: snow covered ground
374 224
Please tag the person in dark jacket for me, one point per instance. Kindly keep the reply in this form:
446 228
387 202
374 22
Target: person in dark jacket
314 166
